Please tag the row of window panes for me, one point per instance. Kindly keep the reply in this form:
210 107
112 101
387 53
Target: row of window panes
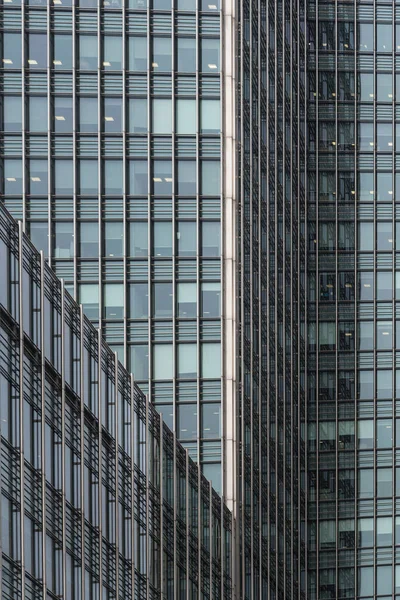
369 533
186 361
349 84
112 119
367 41
384 138
371 186
186 415
162 181
162 300
112 53
370 485
191 5
370 434
137 243
342 584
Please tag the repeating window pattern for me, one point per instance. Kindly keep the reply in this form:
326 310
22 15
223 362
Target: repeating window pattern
271 297
353 191
98 498
111 117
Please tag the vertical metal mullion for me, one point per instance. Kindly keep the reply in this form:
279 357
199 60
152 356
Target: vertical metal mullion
63 437
187 525
82 447
174 233
21 403
394 343
148 466
125 128
133 490
100 117
74 151
100 446
210 490
24 117
43 423
150 258
176 495
50 175
375 282
198 230
162 590
199 530
116 516
337 322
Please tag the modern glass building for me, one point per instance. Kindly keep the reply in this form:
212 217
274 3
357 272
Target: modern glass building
98 498
218 185
111 115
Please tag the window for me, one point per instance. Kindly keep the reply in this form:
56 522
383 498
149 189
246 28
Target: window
113 239
211 361
89 240
63 177
366 483
162 239
366 335
209 61
187 360
384 184
384 385
38 232
12 113
384 481
212 472
384 236
37 51
210 178
138 178
384 35
38 117
163 361
211 299
161 116
113 177
365 37
384 136
64 240
210 118
186 238
137 115
366 187
210 5
366 87
366 136
162 55
365 385
139 361
366 285
384 285
138 239
327 336
365 532
62 57
112 59
113 301
112 115
366 236
162 177
211 239
365 434
185 116
12 55
187 300
384 335
88 115
139 301
88 175
162 300
384 87
187 177
365 581
210 420
89 298
38 177
137 54
88 57
12 176
384 529
187 421
186 55
62 115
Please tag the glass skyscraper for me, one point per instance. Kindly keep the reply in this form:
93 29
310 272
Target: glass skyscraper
98 498
218 184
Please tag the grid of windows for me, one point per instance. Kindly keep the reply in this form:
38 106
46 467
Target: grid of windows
111 120
353 326
271 292
98 499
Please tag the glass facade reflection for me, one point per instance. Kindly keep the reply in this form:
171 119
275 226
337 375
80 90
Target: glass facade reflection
98 498
111 116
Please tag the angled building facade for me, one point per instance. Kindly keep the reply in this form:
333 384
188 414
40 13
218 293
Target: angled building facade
98 498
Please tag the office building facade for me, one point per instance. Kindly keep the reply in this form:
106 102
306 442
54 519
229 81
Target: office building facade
218 184
98 498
